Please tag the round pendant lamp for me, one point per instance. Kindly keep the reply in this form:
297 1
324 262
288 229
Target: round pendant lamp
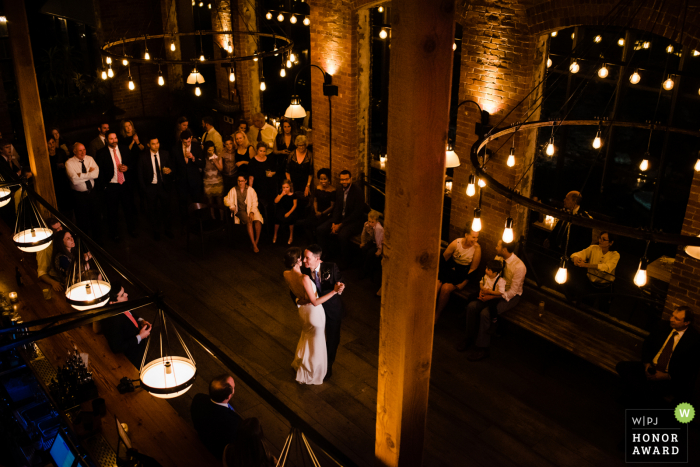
88 286
5 194
31 232
167 375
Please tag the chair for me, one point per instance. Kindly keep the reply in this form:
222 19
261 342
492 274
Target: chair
200 222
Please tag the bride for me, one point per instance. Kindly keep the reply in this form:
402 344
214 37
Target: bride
311 359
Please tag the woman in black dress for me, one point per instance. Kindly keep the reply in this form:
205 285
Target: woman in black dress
261 172
131 138
243 151
324 199
300 169
285 210
283 148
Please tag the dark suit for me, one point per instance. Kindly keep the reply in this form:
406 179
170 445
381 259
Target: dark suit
348 212
157 194
94 146
333 307
683 366
579 237
121 337
215 424
189 175
114 194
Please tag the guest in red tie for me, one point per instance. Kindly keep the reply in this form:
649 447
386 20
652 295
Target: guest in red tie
116 179
126 333
670 363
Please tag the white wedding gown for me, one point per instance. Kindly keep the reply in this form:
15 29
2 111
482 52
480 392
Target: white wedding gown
311 360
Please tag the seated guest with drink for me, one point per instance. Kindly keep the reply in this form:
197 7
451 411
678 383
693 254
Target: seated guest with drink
243 203
213 416
126 332
600 261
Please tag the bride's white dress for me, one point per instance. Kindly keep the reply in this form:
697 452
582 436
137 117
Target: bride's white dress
311 360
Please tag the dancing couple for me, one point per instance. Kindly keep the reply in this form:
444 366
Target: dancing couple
315 287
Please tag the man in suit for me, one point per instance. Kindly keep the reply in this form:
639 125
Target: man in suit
100 141
325 275
213 416
348 216
670 361
210 134
115 181
126 333
155 179
579 237
189 163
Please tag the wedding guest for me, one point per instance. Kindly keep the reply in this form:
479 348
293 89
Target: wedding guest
600 262
213 180
130 138
189 162
58 158
230 168
210 134
285 210
284 146
63 244
577 237
45 270
262 132
126 332
243 203
155 179
371 243
244 151
300 167
324 199
82 171
261 173
100 140
213 416
181 125
458 266
60 141
242 126
251 448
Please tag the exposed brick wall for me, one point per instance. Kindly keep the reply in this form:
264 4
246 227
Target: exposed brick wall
247 82
333 31
221 21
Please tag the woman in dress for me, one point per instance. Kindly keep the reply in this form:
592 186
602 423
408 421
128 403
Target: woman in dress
311 359
300 168
180 125
324 199
230 168
261 173
60 141
285 210
458 266
213 180
131 138
243 203
63 245
284 146
244 151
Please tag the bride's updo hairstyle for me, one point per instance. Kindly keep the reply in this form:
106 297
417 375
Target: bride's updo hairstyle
291 257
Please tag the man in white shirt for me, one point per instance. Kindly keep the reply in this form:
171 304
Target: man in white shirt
83 172
100 141
116 182
210 134
262 131
478 310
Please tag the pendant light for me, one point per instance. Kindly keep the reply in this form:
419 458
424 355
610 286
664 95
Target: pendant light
295 110
508 231
293 19
289 63
597 141
268 15
195 77
451 158
621 42
697 166
476 223
669 49
550 147
481 183
280 17
283 72
549 62
172 45
197 91
307 21
561 274
161 80
31 232
471 188
554 33
125 62
640 278
383 34
646 44
511 158
574 68
644 165
104 75
86 289
603 71
693 251
668 84
167 375
231 75
597 38
108 60
380 9
635 77
132 86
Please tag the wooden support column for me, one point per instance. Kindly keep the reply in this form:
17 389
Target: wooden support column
421 64
30 105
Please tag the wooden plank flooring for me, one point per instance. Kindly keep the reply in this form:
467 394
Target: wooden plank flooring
531 403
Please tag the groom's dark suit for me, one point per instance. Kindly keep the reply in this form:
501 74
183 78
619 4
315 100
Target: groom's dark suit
330 275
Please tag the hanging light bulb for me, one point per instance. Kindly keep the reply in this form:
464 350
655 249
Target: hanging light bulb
476 223
161 80
668 84
635 77
640 278
146 56
307 21
451 158
573 35
511 158
110 73
201 58
172 46
603 72
597 38
549 62
669 49
292 57
125 62
268 15
280 17
550 147
231 75
508 231
697 166
644 165
561 275
471 188
289 63
380 9
621 42
283 72
646 44
574 67
262 84
597 142
554 33
132 86
383 34
104 74
481 183
454 46
201 4
197 91
108 60
293 19
696 53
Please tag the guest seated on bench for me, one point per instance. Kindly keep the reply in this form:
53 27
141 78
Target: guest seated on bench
458 266
514 273
670 362
600 261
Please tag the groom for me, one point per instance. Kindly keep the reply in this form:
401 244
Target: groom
326 275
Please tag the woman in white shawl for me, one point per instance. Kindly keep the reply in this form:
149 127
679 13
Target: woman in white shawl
243 202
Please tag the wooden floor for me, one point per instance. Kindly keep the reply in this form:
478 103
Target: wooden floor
531 403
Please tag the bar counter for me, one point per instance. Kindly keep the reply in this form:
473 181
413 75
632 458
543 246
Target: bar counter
155 428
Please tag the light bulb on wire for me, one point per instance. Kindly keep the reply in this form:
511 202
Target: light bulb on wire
511 158
231 75
104 74
471 188
197 91
597 142
603 71
550 147
280 17
561 275
481 183
549 62
574 67
132 86
646 44
640 278
161 80
554 33
268 15
293 19
262 84
597 38
644 165
307 21
292 57
621 42
110 73
668 84
125 62
635 77
283 72
172 46
201 58
383 34
146 56
508 231
380 9
697 166
108 60
289 63
476 223
669 49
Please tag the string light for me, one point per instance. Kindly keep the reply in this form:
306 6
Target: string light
380 9
603 72
132 86
125 62
476 223
471 188
573 35
554 33
481 183
574 67
201 58
292 57
697 166
147 56
646 44
104 74
668 84
597 142
597 38
635 77
454 46
550 147
511 158
561 275
209 5
197 91
262 84
307 21
293 19
280 17
108 60
621 42
289 63
640 278
231 75
110 73
696 53
283 72
669 49
549 62
161 80
508 231
644 165
383 34
268 15
172 46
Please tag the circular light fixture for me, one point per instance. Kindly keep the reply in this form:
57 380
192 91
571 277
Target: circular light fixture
383 34
597 38
574 67
293 19
603 71
554 33
307 21
88 294
268 15
668 84
5 195
693 251
280 17
168 377
32 240
635 77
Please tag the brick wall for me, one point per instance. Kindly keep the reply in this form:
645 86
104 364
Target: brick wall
334 48
221 21
247 83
